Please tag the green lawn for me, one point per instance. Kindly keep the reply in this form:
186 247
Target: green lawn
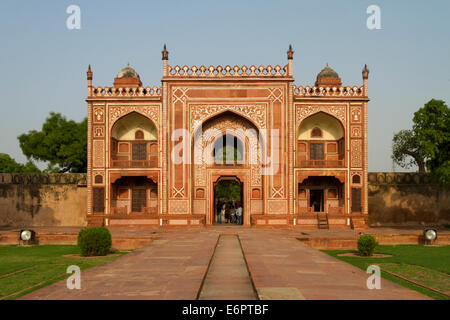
427 265
25 269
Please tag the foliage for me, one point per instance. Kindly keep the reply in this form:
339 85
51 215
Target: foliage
406 151
367 245
432 127
61 142
228 153
9 165
228 189
428 143
94 241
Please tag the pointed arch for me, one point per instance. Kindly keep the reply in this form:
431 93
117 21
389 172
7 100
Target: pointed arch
125 127
331 127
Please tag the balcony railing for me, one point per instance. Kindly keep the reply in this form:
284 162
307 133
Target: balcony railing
135 163
331 210
123 211
322 163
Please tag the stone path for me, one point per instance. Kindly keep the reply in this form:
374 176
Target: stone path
174 267
171 268
228 277
284 268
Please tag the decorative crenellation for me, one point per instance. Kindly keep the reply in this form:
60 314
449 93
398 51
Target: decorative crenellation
125 92
397 178
43 178
227 71
308 91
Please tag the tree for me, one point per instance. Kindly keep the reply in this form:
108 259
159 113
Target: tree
228 190
406 150
432 130
62 143
9 165
428 143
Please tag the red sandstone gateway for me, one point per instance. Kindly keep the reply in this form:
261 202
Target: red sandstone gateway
298 153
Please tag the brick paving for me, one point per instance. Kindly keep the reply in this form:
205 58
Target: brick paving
174 266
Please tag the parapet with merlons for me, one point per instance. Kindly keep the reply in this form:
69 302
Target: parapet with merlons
227 72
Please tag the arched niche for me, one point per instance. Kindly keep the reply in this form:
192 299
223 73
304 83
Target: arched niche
126 127
330 127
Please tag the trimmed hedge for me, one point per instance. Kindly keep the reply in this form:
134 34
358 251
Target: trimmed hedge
94 241
367 245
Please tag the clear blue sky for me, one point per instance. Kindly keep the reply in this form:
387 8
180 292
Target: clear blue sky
43 64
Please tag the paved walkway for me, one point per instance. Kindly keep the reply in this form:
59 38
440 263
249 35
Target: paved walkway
284 268
174 267
170 268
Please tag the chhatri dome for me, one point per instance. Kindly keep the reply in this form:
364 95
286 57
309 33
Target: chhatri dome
327 72
328 77
127 77
127 72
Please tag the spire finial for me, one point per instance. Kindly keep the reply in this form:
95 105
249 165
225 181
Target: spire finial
290 53
89 73
165 53
365 72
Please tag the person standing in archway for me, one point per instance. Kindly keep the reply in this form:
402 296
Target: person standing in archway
222 213
239 214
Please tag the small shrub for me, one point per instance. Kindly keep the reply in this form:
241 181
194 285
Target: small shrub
366 245
94 241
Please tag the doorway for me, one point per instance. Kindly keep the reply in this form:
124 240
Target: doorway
316 200
228 201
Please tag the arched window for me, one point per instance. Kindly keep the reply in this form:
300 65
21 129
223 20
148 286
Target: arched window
139 135
316 133
228 149
356 179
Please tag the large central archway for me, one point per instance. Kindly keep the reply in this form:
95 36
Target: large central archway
226 145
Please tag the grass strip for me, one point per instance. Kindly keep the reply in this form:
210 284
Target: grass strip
415 283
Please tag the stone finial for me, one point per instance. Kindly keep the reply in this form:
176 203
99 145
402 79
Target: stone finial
89 73
365 72
165 53
290 53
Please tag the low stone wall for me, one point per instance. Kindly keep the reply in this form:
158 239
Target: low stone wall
397 199
42 200
60 200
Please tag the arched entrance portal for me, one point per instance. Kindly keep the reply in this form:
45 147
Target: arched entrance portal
226 145
228 198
